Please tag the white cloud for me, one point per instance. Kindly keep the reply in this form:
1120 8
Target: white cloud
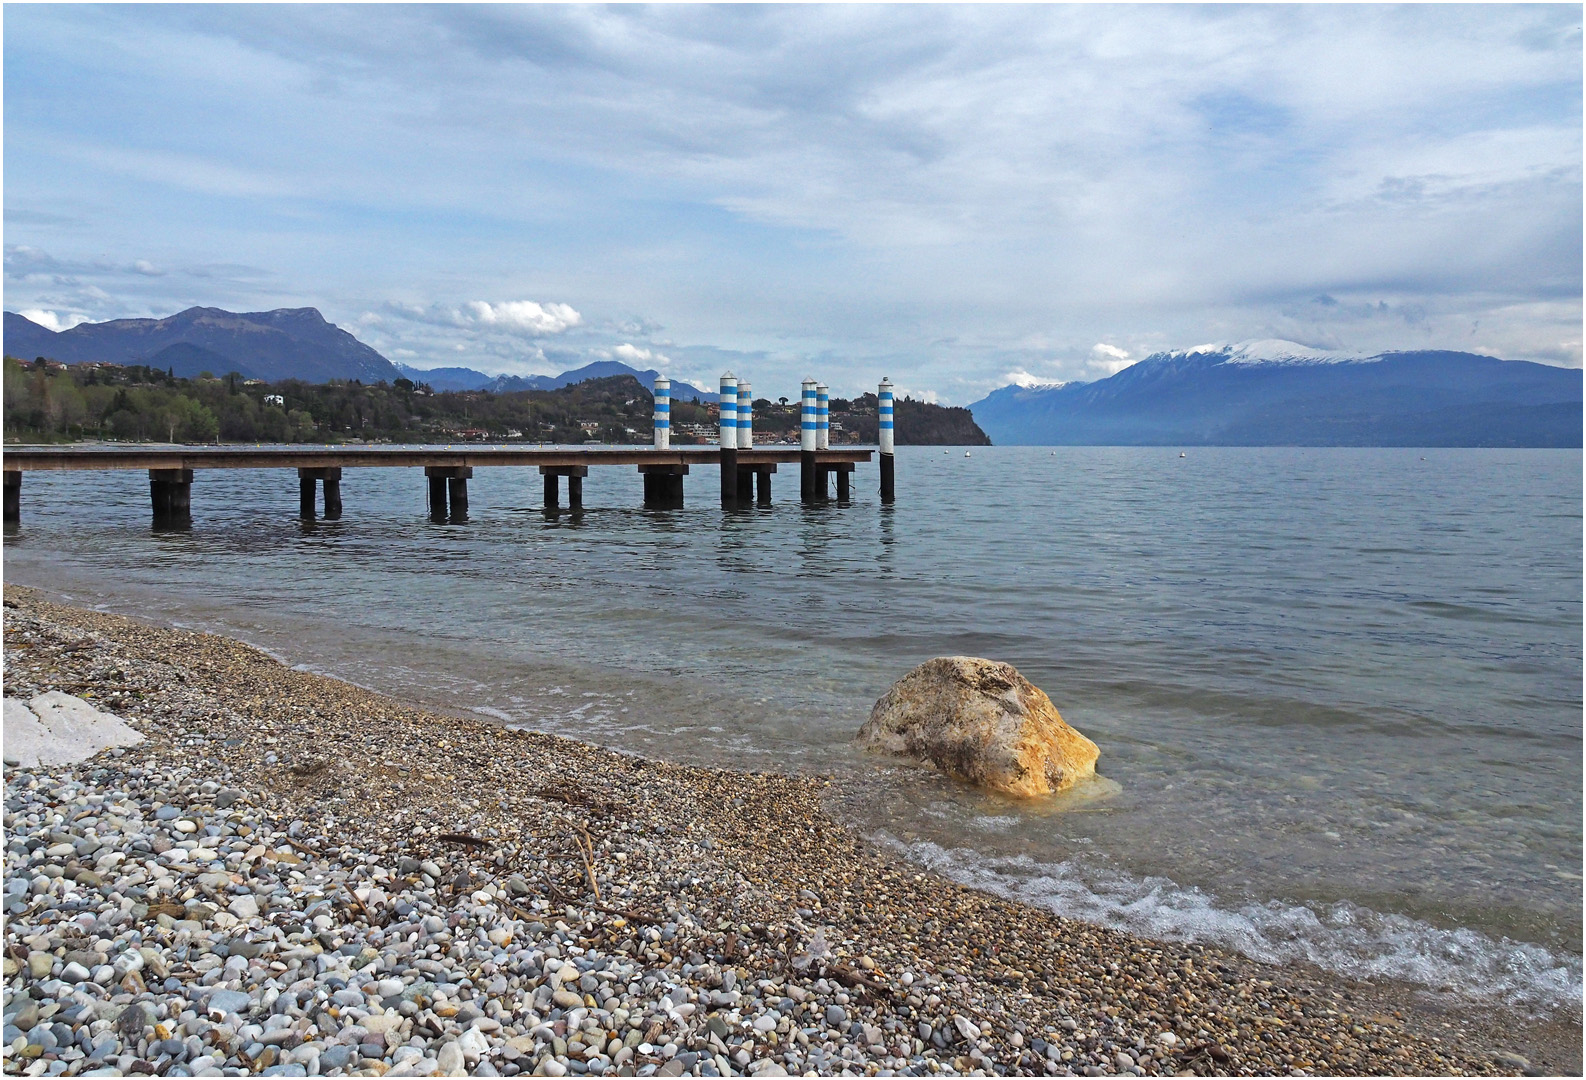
521 316
1108 358
633 354
953 181
53 321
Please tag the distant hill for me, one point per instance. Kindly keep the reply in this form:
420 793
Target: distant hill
447 378
288 343
1275 393
455 378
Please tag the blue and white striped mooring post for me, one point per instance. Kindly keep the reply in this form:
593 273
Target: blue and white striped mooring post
823 417
659 486
728 427
809 427
745 415
663 412
884 431
744 480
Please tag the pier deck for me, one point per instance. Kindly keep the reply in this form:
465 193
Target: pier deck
446 469
95 458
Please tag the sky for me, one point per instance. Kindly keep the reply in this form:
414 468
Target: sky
956 197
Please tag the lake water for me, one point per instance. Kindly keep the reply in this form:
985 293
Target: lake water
1337 691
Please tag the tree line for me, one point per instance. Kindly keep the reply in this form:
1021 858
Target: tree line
50 402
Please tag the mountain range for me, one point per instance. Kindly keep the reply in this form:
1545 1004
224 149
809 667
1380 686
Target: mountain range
1278 393
460 378
288 343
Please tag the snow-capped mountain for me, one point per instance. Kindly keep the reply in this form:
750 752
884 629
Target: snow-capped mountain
1270 351
1277 393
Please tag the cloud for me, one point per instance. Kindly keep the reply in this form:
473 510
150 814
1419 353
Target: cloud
1108 358
51 320
634 355
519 318
921 190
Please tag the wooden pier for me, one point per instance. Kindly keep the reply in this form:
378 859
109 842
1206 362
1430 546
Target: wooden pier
746 477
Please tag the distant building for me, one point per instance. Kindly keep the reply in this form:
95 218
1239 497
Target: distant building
275 399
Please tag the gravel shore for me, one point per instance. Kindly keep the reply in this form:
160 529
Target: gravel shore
293 876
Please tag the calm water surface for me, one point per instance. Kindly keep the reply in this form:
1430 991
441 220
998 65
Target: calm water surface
1337 691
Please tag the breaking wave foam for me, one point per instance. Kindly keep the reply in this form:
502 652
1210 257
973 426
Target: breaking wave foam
1342 937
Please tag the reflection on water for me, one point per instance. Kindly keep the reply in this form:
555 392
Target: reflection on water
1320 677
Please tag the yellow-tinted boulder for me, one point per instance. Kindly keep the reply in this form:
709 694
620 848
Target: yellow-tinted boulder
983 722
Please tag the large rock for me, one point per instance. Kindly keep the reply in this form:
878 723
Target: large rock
983 722
56 729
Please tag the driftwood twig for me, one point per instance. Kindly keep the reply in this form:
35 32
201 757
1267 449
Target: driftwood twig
586 848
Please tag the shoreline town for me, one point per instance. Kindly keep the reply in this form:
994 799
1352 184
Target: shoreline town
293 876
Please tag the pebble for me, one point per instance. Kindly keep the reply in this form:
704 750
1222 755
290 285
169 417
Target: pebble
158 919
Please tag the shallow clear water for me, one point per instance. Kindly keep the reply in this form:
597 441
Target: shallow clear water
1338 690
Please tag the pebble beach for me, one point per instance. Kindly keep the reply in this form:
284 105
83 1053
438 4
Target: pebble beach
294 876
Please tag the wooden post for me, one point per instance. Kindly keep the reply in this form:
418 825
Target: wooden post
553 494
457 490
305 494
332 484
842 484
575 491
762 483
745 492
886 477
13 498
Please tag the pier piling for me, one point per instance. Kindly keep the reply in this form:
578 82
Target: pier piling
13 495
305 495
332 483
663 486
449 492
575 485
171 495
823 419
884 437
762 484
330 476
437 485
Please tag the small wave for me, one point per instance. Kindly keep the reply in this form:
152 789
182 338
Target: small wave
494 714
1342 937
